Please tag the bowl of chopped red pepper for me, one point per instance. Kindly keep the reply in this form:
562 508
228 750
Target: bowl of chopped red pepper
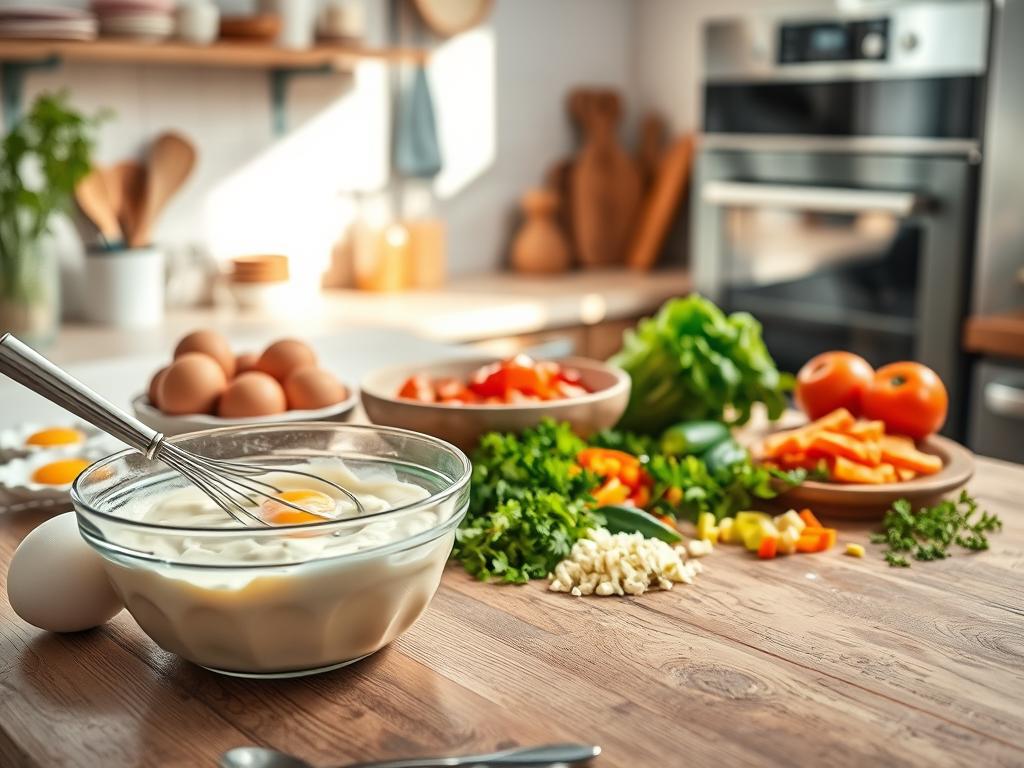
460 400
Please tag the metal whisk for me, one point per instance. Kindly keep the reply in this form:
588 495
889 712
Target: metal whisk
234 486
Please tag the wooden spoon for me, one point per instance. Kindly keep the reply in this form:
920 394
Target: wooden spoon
93 198
126 184
171 160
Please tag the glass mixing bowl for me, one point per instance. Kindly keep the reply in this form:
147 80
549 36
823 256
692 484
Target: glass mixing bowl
316 596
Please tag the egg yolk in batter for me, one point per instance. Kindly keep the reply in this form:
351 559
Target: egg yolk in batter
54 436
281 514
60 472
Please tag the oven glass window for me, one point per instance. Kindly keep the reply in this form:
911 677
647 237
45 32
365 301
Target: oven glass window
821 281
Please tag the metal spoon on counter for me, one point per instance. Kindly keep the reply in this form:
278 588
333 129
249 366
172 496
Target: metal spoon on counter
541 757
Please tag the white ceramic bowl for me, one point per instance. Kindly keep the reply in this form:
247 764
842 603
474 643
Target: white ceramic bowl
151 416
463 425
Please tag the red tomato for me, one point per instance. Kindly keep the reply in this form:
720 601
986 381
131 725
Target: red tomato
909 397
832 380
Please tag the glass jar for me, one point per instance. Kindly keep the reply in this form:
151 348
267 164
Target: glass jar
30 293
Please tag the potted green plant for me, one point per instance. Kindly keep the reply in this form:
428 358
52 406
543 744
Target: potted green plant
42 158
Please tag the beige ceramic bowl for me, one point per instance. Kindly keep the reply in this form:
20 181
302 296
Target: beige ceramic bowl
463 425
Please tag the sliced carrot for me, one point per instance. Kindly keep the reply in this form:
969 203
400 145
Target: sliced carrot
889 472
838 420
866 430
768 548
897 452
808 517
837 444
846 471
797 440
798 461
781 443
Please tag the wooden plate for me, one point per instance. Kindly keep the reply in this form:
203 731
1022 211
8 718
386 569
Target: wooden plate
870 502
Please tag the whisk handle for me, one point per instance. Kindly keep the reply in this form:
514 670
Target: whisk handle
30 369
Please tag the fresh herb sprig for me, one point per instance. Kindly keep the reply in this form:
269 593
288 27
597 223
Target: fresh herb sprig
685 486
929 534
529 502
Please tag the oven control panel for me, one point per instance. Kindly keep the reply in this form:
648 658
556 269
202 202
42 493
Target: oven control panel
863 39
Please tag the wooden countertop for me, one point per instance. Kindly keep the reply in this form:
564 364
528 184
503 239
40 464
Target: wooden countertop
807 660
1000 335
467 309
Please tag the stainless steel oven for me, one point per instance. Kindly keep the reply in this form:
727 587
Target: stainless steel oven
837 179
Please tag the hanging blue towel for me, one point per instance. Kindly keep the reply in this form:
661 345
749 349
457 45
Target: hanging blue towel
417 153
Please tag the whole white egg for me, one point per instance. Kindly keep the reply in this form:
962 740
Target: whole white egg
57 582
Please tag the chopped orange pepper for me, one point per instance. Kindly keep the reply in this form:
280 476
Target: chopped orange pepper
674 495
825 538
642 497
612 492
808 543
768 548
630 474
588 456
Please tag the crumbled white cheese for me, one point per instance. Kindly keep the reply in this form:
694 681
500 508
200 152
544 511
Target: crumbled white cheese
604 564
699 548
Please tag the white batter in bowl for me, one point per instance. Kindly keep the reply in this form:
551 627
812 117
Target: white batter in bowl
287 599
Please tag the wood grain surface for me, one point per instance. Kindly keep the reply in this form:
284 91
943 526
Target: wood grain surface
806 660
998 335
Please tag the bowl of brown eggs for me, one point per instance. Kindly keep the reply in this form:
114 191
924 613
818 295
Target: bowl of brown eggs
207 385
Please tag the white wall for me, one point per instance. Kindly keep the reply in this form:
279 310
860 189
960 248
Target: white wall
499 93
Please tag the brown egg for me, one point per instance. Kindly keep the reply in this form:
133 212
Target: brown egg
154 387
284 356
209 343
191 384
246 362
252 393
310 388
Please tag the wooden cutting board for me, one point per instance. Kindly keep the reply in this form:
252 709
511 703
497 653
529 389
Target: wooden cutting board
652 149
661 204
605 183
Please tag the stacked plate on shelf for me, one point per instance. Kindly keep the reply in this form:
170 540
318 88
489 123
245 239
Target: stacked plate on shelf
151 20
24 21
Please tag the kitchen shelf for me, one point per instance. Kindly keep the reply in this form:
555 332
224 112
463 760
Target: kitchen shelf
19 56
223 53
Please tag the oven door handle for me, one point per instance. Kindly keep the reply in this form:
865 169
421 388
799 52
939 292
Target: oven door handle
824 199
1004 399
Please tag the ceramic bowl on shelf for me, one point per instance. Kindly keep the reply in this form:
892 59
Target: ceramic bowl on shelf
152 417
288 599
463 425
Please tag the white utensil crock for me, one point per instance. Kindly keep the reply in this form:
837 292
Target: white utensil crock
125 289
298 21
